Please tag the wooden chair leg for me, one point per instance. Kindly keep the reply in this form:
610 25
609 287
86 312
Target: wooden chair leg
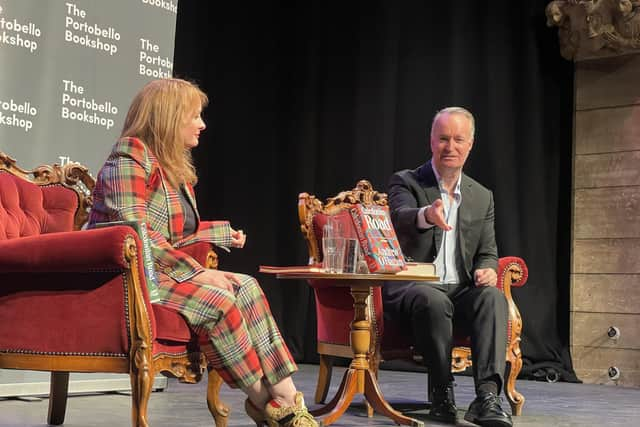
58 393
141 384
218 409
324 378
515 399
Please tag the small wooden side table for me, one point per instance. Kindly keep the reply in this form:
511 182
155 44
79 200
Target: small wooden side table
358 378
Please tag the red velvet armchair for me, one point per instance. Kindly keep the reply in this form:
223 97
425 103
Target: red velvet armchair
77 301
334 306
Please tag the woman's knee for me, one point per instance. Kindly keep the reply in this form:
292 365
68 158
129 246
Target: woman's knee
206 311
246 280
249 292
248 284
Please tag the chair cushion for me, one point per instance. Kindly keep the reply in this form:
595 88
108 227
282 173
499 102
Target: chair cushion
27 209
170 325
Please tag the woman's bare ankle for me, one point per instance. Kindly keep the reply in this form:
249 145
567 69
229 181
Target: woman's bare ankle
285 401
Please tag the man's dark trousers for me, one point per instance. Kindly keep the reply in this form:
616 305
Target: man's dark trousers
430 310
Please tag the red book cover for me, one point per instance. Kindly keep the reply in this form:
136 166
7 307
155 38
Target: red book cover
377 238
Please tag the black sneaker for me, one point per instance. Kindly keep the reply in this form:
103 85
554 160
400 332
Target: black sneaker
443 407
486 411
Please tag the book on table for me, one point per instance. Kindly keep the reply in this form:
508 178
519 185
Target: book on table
418 269
378 240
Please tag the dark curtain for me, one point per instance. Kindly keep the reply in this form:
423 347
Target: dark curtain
313 96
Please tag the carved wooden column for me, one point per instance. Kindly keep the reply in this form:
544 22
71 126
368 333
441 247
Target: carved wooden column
602 37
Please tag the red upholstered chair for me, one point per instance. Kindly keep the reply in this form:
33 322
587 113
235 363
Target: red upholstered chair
334 306
77 301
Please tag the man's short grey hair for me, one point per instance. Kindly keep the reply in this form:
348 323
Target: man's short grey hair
456 110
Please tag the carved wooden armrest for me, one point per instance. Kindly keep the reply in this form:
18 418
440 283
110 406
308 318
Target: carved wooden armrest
512 272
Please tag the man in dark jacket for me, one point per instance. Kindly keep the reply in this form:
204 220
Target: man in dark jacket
443 216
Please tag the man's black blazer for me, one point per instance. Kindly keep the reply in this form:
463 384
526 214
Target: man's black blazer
409 190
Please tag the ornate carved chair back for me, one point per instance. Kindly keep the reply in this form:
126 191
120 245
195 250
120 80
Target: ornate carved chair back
43 200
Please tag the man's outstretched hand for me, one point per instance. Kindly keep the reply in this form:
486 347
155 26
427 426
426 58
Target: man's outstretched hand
434 214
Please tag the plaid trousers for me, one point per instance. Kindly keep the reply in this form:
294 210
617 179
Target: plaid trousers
245 344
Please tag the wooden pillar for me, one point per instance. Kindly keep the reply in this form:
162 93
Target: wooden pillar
605 242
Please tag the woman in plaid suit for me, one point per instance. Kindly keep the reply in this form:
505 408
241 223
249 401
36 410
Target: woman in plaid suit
148 177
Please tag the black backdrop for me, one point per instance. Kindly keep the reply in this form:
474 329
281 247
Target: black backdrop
313 96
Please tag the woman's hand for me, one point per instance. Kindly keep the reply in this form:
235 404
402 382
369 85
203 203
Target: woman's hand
238 238
219 279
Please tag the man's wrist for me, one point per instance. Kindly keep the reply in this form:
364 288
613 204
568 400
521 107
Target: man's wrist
421 219
426 215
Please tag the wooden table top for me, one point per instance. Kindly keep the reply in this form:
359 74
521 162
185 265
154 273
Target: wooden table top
310 272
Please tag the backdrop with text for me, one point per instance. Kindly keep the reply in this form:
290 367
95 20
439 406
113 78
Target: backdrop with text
70 70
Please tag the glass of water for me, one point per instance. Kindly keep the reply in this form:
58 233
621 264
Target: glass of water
333 246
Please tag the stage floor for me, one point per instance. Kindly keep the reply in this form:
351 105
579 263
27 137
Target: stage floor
547 404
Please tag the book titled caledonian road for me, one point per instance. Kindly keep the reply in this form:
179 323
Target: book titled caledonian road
147 256
377 238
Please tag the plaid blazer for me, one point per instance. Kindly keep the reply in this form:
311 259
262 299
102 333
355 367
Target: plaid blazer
131 186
